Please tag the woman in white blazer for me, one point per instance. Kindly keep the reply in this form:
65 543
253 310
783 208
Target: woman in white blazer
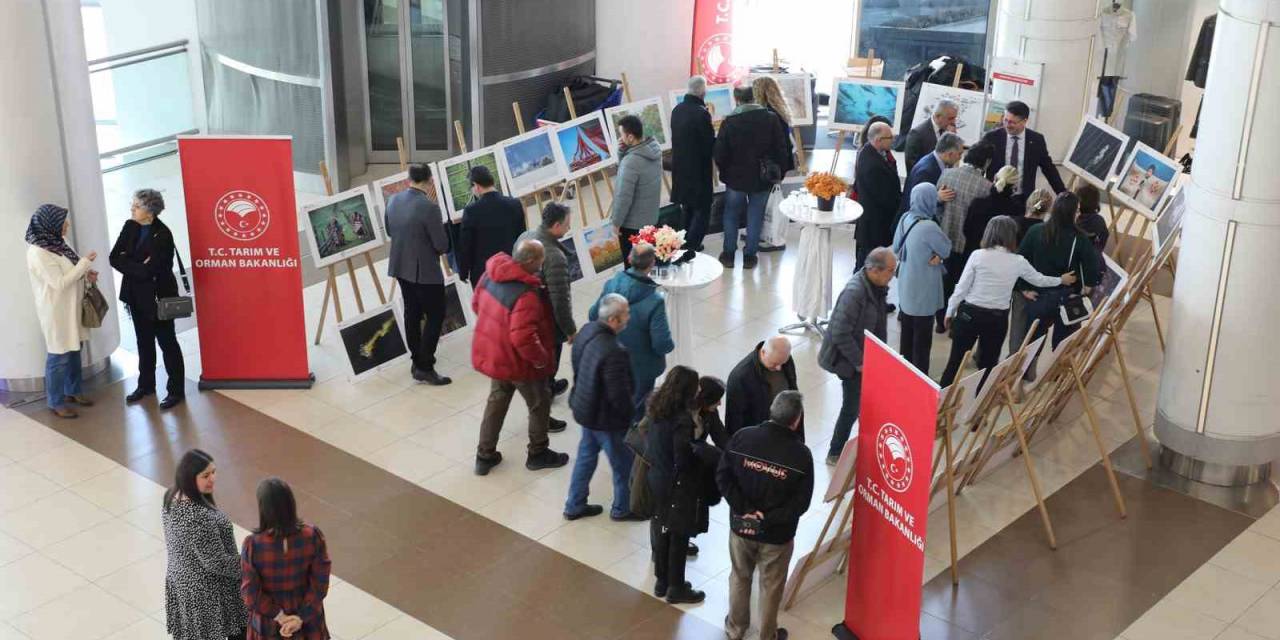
58 277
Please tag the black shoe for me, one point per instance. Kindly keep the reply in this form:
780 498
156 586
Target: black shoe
660 589
430 377
782 634
559 386
556 425
727 259
750 262
692 551
137 395
688 256
170 401
546 459
483 465
939 328
588 511
890 308
628 517
685 595
770 248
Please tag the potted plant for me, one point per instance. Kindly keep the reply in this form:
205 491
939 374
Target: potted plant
667 243
826 187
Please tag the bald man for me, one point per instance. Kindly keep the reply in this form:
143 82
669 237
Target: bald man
756 381
879 191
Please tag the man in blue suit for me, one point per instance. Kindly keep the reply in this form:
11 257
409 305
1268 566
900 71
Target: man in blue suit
1023 148
946 154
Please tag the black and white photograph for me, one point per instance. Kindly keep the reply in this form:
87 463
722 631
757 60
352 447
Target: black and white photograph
455 310
1113 278
1095 152
373 341
570 244
1169 224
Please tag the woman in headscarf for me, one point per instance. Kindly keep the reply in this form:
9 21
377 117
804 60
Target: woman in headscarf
769 95
920 245
58 275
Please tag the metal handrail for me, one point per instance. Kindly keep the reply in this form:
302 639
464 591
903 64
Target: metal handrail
129 55
148 143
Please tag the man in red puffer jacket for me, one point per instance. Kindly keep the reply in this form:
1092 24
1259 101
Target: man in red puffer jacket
514 345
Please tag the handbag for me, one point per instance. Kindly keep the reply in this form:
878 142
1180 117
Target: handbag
770 171
174 307
93 307
1076 307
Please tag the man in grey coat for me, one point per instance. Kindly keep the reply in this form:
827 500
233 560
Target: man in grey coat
418 239
639 183
860 307
555 275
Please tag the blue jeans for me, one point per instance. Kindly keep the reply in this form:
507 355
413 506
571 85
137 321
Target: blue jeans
61 377
614 446
735 204
850 406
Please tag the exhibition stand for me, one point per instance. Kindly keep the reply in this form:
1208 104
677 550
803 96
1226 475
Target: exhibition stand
811 291
681 282
331 278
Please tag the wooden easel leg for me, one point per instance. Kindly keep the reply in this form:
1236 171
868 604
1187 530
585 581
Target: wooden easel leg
808 561
800 156
1097 438
324 308
1155 316
1031 475
835 157
355 286
373 273
1138 429
595 196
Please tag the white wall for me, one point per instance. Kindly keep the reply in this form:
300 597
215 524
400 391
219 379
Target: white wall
649 41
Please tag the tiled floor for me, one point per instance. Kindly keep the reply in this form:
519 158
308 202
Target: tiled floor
389 452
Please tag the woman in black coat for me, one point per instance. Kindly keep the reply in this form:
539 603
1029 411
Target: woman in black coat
674 481
143 254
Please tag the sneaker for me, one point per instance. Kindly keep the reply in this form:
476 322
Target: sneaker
484 465
750 262
628 517
588 511
660 589
685 595
727 259
832 460
556 425
430 377
692 551
560 386
546 459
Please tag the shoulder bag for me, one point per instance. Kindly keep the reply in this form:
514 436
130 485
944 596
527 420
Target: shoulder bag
902 251
174 307
1076 307
93 307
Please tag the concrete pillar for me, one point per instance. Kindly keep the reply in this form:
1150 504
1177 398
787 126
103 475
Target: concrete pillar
1220 388
1061 34
49 154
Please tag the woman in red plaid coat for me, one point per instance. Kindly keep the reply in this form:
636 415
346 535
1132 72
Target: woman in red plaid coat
285 570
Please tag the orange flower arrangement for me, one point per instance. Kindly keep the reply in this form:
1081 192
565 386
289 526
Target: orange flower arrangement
825 185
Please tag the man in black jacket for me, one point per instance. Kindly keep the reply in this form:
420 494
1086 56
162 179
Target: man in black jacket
692 141
601 403
766 476
1023 148
879 191
490 225
756 381
861 307
751 139
923 137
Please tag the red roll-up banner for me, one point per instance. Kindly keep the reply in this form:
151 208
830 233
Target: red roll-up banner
891 499
243 227
711 54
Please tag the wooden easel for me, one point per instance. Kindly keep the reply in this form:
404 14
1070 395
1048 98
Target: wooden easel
840 135
626 94
577 182
946 423
537 195
331 285
801 159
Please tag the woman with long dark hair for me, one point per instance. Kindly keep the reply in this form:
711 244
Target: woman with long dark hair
673 481
286 570
202 579
1057 245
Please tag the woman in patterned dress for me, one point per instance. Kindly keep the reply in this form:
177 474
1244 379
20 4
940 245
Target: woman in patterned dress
202 580
286 570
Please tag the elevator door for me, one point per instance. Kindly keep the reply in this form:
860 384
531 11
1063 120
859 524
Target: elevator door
406 57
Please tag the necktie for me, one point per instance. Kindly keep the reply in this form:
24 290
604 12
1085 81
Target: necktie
1015 161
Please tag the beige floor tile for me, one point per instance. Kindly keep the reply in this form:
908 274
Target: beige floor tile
1217 592
1252 555
460 484
1269 524
144 629
636 570
304 413
9 633
1263 618
12 549
406 413
101 550
1238 633
405 628
119 491
526 514
33 581
352 613
51 519
261 398
409 460
23 438
69 464
87 612
147 519
20 486
822 603
141 583
592 545
1168 621
353 397
356 435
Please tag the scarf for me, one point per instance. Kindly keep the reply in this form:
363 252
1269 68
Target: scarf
45 231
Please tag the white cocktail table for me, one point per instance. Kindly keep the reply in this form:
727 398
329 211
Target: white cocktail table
680 282
811 292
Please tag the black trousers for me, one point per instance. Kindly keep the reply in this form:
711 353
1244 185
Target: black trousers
954 265
148 332
670 549
624 241
976 325
423 319
555 364
916 340
696 220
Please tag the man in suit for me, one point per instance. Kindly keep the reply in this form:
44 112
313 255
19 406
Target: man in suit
418 239
879 191
1023 148
924 136
946 154
490 225
692 141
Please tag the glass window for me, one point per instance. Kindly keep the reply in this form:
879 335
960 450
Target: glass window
907 32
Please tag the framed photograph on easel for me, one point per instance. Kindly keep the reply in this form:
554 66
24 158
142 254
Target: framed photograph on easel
797 92
1096 152
373 341
1146 177
341 226
655 118
1169 225
854 101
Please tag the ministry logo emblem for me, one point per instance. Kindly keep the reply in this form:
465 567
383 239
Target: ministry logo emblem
893 454
242 215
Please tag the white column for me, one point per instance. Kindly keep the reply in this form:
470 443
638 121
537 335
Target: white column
1062 35
49 153
1220 388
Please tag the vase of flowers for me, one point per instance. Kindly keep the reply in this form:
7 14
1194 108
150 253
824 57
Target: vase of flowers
826 187
667 243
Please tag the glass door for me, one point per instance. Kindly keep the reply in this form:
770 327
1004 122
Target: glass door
405 58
